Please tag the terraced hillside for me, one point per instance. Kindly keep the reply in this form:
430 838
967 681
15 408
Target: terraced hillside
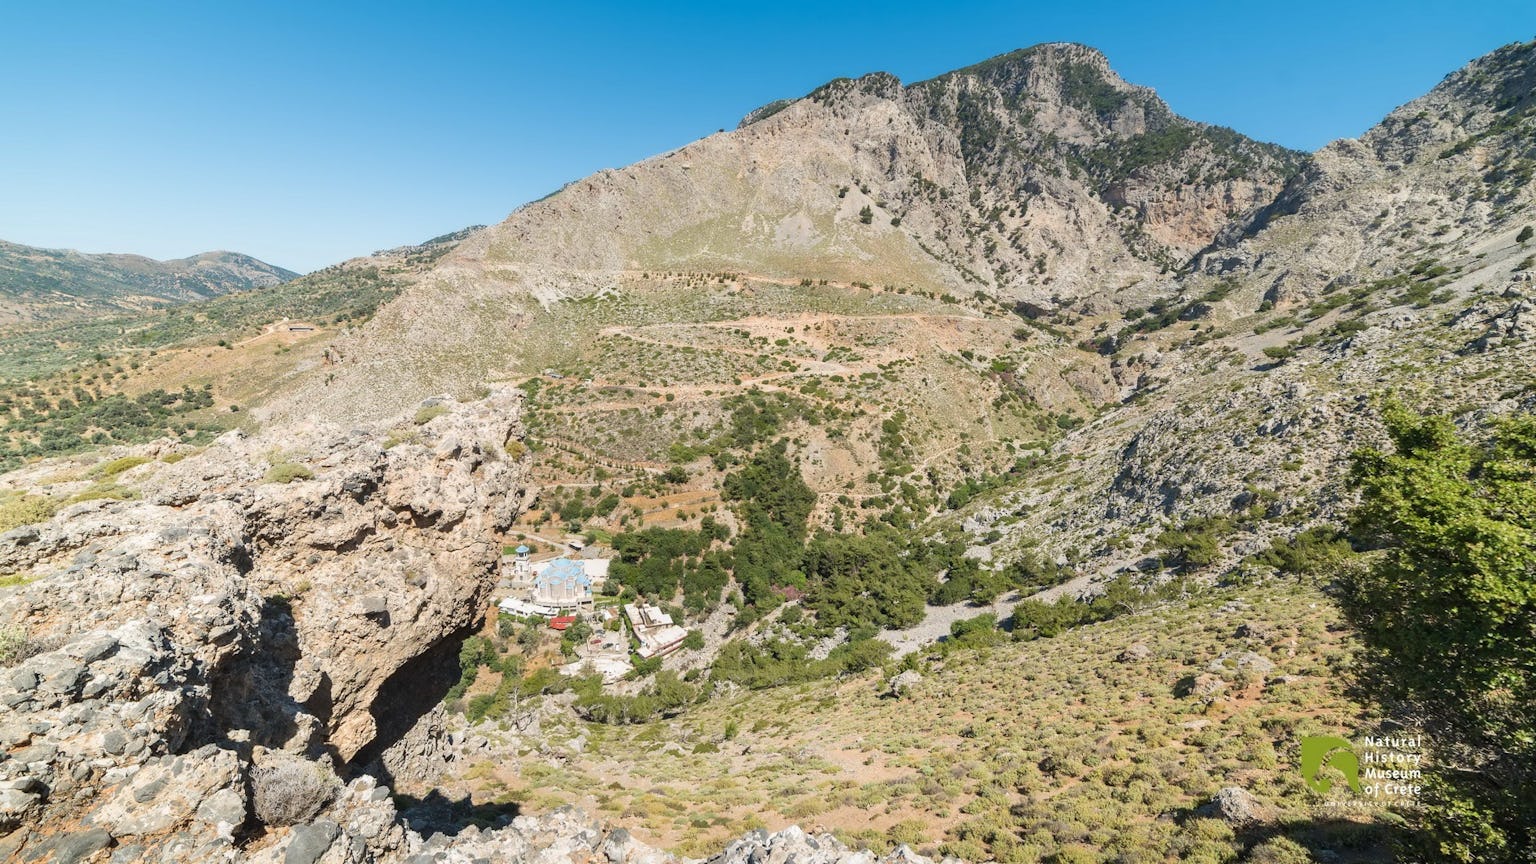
1040 176
77 384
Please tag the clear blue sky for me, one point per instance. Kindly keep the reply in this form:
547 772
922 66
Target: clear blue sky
305 135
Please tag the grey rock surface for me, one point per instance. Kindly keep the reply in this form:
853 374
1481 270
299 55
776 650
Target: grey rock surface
215 651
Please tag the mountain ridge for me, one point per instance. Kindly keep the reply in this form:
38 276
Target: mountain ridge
1020 186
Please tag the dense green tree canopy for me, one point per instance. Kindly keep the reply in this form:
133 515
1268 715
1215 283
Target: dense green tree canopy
1449 610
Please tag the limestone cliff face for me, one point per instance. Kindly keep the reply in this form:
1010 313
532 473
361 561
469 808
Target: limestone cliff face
205 662
202 662
1389 264
1451 169
195 647
1034 174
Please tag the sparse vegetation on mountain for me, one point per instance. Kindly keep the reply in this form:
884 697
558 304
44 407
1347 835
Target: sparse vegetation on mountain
1003 534
17 509
288 472
35 422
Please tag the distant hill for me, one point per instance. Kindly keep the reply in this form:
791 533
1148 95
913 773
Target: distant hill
340 295
51 284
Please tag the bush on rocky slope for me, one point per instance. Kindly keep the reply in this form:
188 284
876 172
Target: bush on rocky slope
1449 612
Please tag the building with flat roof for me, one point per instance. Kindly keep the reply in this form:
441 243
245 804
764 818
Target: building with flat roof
605 653
654 630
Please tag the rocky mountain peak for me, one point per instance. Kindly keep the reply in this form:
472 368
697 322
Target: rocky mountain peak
978 287
1037 176
1451 166
1490 96
1061 72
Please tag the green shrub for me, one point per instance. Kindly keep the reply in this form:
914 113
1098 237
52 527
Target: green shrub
1279 850
118 466
1312 551
1447 612
1195 543
479 707
287 472
429 413
13 645
666 697
19 510
104 492
910 832
401 436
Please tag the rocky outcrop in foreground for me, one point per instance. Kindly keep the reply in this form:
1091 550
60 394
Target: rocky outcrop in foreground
203 663
226 666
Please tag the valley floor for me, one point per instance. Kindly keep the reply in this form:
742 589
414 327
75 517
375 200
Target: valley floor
1110 737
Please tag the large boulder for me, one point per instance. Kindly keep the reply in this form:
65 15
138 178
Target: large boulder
1234 806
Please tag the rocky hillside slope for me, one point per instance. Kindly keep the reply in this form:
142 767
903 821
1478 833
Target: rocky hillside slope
339 295
221 653
1038 176
1397 264
48 284
1034 174
1450 170
1225 346
215 655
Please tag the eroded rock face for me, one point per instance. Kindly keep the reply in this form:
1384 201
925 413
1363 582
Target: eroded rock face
209 658
213 660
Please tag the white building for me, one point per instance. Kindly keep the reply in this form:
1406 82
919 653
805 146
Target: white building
519 570
606 653
563 583
654 628
548 587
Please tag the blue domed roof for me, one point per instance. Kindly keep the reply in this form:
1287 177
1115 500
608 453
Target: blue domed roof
564 572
